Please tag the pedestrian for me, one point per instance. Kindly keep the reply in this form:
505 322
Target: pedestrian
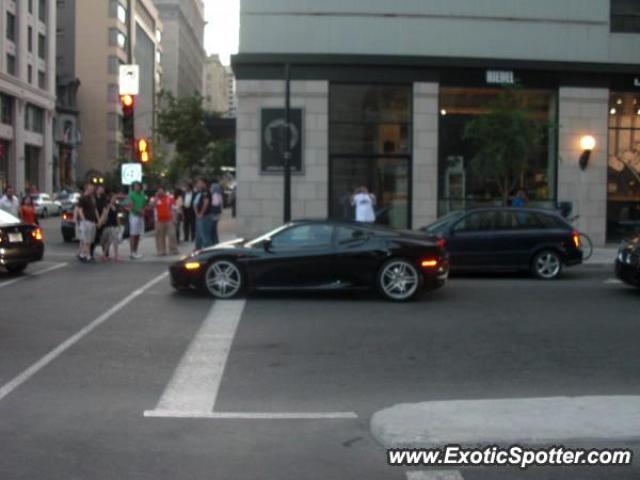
28 211
204 217
110 229
216 210
137 203
178 211
9 202
520 200
188 214
163 205
102 201
88 217
363 201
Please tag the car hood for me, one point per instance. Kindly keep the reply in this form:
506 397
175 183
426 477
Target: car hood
632 244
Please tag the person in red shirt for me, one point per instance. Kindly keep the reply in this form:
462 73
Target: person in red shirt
28 211
164 208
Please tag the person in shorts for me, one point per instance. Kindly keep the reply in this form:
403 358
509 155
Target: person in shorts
110 229
88 217
137 202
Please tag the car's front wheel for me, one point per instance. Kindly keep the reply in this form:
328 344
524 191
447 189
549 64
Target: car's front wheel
398 280
17 268
546 265
223 279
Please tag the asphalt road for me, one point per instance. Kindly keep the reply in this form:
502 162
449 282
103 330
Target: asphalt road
86 350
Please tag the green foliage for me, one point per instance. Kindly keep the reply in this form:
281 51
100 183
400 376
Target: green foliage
505 138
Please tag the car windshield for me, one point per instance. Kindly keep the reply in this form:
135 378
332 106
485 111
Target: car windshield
7 219
266 236
442 223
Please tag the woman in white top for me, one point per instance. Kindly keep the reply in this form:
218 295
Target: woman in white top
364 203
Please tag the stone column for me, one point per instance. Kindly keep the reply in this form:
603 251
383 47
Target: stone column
584 111
425 154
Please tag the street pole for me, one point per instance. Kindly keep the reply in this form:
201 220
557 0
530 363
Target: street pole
287 146
131 149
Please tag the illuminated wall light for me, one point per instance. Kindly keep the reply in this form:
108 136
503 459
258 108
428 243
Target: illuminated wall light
587 143
443 112
619 101
613 111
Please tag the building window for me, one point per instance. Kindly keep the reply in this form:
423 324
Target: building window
6 109
625 16
113 65
122 13
5 150
11 64
11 27
42 80
30 39
370 146
30 6
462 178
623 185
29 74
42 46
34 119
122 40
42 10
31 166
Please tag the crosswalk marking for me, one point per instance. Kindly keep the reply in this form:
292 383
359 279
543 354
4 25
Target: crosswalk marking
196 381
613 281
252 415
434 475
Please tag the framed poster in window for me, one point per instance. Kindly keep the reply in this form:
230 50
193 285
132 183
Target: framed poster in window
272 138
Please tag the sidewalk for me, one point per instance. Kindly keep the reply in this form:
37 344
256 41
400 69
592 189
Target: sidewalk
603 255
226 232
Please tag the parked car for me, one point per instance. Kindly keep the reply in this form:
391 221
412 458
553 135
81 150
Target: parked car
627 263
68 224
20 244
45 205
509 239
318 255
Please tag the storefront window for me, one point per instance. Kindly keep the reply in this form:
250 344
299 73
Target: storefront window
370 146
460 185
31 166
623 186
4 163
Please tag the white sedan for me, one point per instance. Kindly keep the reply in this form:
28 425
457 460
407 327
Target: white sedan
45 206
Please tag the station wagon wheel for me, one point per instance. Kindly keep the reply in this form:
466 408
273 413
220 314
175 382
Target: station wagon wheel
223 279
398 280
547 265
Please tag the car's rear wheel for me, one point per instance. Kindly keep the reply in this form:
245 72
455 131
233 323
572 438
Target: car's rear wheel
398 280
223 279
17 268
546 265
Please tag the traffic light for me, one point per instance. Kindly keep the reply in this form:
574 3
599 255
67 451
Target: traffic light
128 105
143 150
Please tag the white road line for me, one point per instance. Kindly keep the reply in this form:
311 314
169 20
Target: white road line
435 475
33 274
9 387
196 381
252 415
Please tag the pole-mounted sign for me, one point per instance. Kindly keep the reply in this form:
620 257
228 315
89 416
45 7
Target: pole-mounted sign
129 80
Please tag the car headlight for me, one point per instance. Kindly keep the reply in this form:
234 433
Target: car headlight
627 257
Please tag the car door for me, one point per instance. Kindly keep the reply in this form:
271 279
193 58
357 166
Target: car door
534 231
358 255
475 243
301 256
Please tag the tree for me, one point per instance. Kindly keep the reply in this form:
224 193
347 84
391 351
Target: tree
505 138
181 122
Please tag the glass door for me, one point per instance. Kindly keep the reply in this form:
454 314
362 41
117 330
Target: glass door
388 178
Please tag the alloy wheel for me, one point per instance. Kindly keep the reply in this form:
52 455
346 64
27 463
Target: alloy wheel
399 280
548 265
223 279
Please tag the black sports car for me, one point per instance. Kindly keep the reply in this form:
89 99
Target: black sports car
628 262
20 244
318 255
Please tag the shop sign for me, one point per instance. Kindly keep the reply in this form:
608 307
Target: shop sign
273 132
500 77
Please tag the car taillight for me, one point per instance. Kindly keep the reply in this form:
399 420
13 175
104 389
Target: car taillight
37 234
576 239
429 263
66 216
442 243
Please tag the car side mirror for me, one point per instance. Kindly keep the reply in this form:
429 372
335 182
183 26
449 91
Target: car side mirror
266 244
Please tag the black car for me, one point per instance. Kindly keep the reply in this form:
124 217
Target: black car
20 244
318 255
509 239
628 262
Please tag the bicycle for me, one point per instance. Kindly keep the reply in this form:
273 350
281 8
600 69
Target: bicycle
586 245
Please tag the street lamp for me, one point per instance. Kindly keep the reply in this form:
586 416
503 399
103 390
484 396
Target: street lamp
587 143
